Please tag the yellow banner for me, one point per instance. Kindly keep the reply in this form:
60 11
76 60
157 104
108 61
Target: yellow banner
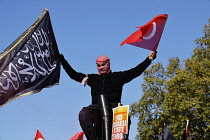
120 122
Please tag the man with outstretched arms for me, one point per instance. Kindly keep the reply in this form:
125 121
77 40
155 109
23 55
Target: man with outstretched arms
104 82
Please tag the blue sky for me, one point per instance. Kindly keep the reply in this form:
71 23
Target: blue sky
85 29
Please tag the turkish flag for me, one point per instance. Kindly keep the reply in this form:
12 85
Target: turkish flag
78 136
148 36
38 135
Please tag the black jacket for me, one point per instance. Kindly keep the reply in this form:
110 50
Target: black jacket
110 84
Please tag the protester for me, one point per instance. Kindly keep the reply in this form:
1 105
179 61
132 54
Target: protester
104 82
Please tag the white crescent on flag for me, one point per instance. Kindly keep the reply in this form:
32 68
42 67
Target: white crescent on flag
152 33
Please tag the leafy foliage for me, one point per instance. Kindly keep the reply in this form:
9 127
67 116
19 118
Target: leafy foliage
175 94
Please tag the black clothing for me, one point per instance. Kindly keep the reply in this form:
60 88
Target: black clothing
88 117
110 84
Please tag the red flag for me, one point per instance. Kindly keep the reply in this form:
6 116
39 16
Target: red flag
38 135
148 36
185 133
78 136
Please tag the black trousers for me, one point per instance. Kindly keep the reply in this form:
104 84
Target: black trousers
91 122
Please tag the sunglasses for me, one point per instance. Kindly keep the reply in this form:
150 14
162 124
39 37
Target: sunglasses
101 65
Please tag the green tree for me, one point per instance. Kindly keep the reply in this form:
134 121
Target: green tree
149 107
175 94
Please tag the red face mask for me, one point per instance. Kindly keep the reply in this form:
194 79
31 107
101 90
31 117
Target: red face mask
103 64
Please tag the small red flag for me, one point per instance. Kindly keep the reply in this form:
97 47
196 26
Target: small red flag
78 136
39 136
185 132
148 36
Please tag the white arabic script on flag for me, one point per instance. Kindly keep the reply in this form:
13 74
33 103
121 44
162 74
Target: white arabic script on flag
30 63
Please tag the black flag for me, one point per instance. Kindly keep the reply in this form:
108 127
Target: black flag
31 62
167 135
